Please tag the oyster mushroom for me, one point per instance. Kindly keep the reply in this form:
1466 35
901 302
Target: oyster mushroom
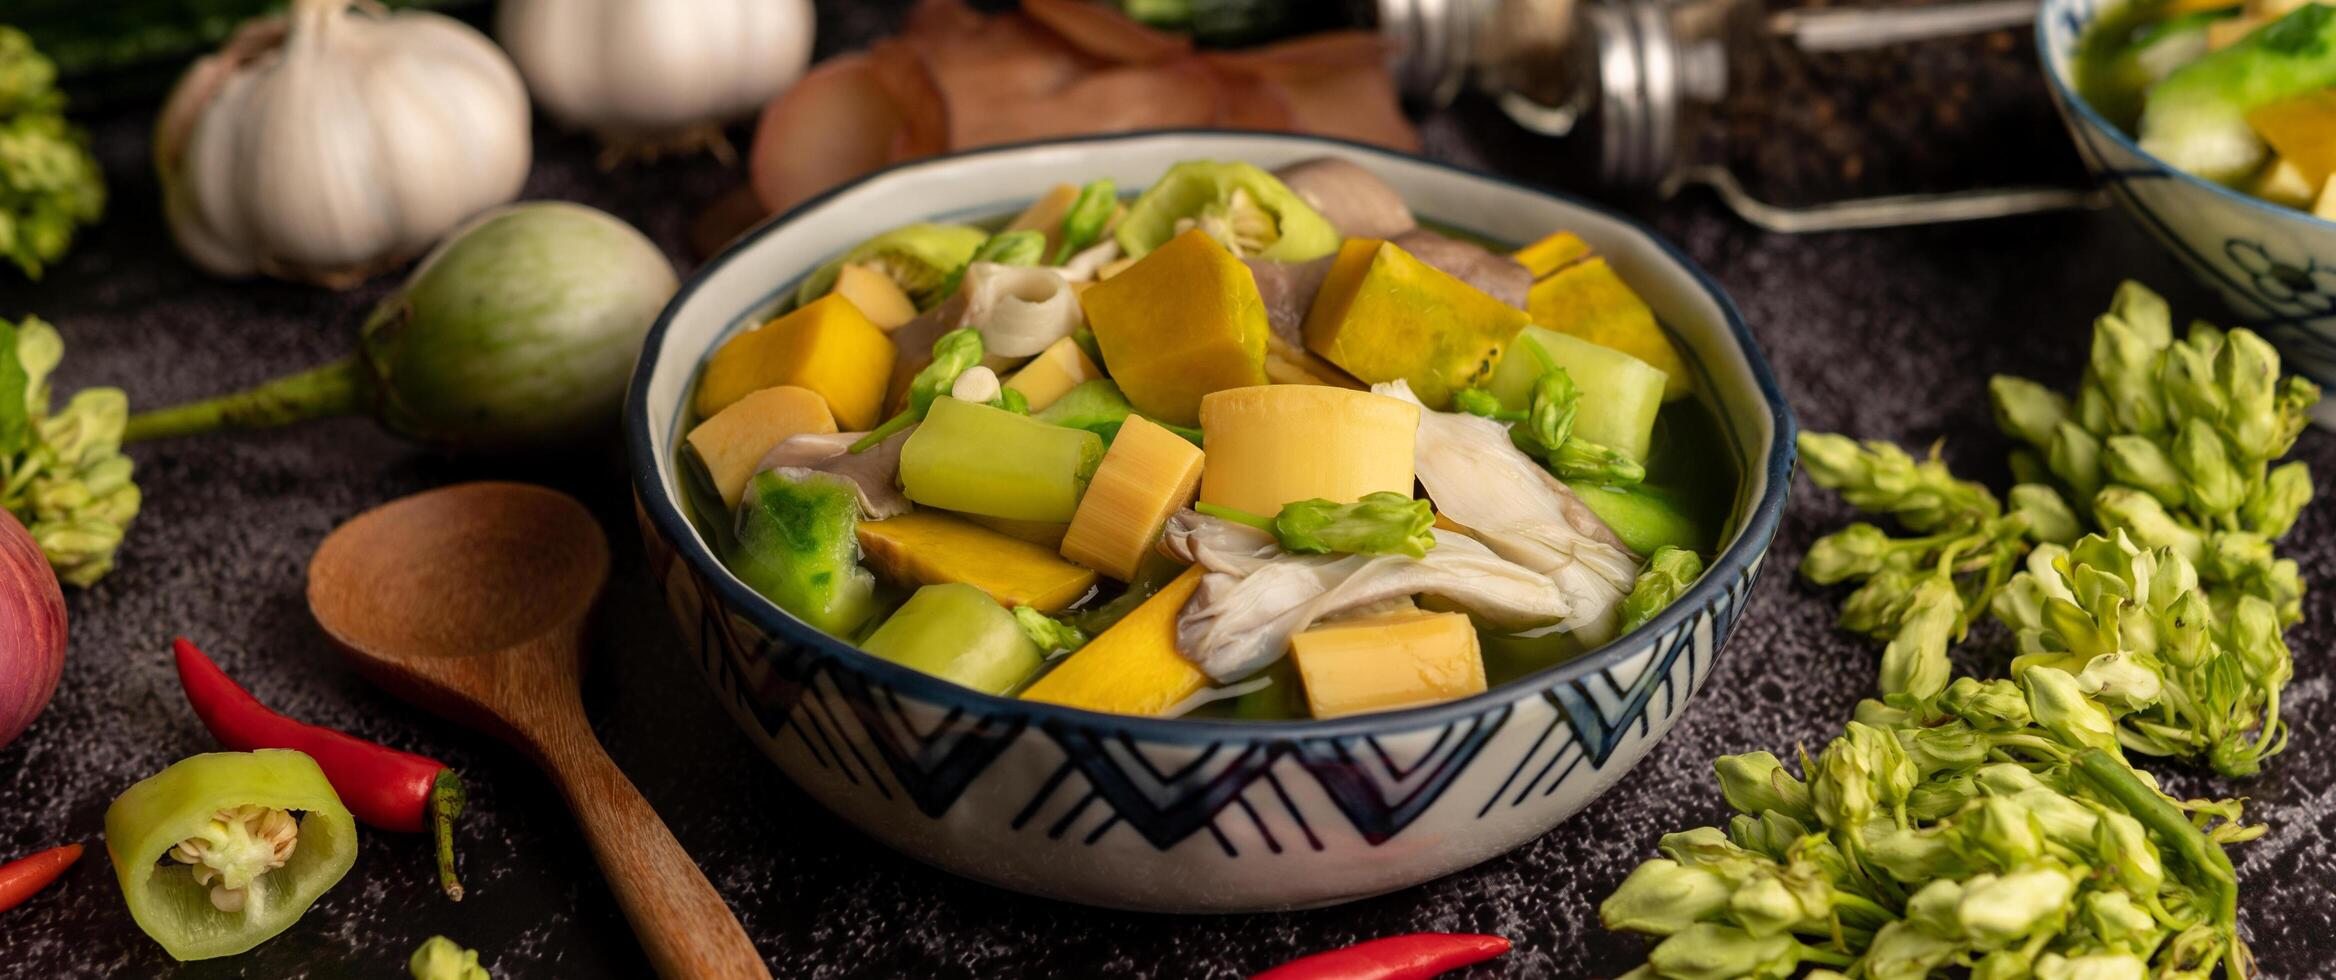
875 473
1350 196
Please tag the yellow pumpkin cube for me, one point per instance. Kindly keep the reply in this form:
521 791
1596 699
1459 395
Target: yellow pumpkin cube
1133 667
731 443
2303 131
1057 369
1146 475
827 345
1383 663
1184 321
1271 445
1552 253
1383 315
1589 301
928 547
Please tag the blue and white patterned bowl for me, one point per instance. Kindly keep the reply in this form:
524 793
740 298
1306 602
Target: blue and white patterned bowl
2274 266
1189 816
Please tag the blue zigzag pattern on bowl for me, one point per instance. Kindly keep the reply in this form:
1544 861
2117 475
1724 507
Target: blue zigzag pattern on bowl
793 689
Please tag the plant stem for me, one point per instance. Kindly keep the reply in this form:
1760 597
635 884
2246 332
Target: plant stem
446 802
336 388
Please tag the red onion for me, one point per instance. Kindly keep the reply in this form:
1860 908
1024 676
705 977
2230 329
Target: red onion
32 630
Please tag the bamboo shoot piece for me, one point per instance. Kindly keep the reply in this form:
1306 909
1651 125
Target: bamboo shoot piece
1383 663
1148 474
877 296
983 460
928 547
1133 667
1274 444
1057 369
730 444
956 633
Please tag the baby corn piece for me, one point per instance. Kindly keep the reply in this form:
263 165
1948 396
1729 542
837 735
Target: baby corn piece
1133 667
1148 473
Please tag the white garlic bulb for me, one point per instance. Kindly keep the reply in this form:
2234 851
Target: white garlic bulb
650 74
332 144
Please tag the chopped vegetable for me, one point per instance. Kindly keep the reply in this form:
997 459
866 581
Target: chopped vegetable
1045 215
1013 248
220 852
876 296
1051 635
1380 523
796 544
1588 300
954 632
984 460
1268 446
1620 394
384 787
1184 321
1083 223
24 877
440 958
1546 431
1668 573
1646 518
926 547
917 258
827 346
1099 407
957 352
1382 663
1554 252
731 444
1056 370
1383 315
2196 119
1131 668
1414 957
49 182
1148 473
62 472
1243 208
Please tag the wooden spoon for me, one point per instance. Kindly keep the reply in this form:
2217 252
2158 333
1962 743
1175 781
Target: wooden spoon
471 601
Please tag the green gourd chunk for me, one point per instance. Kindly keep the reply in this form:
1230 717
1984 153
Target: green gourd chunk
798 545
976 459
1620 393
956 632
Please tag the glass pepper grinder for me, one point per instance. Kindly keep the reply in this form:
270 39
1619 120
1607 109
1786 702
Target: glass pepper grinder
1630 82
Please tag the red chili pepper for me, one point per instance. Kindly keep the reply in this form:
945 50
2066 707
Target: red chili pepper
21 878
1413 957
384 787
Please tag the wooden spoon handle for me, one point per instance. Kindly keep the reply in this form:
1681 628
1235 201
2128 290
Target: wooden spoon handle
683 924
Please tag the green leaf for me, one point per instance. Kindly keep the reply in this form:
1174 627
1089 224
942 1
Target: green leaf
15 407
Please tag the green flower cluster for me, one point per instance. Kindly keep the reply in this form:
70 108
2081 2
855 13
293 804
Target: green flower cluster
2132 626
49 184
1994 827
2172 441
1918 592
1544 429
62 473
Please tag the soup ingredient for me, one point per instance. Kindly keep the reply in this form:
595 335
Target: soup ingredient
1146 475
955 632
732 443
49 182
1349 196
1099 407
874 474
2196 120
2134 629
797 546
1019 310
1669 573
2302 130
24 877
1053 636
226 820
1417 956
1381 663
1256 595
928 547
953 354
1588 300
1271 445
62 472
1380 523
1647 519
1131 668
917 258
1241 207
1383 315
1045 216
519 331
1184 321
827 346
1545 430
384 787
440 958
984 460
32 621
329 144
1007 248
1479 480
1085 219
877 296
645 77
1494 275
1620 395
1053 373
1553 252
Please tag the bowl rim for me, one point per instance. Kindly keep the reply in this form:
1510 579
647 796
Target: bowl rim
2069 96
1760 521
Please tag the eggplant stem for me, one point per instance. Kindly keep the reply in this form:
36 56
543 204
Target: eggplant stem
447 799
327 390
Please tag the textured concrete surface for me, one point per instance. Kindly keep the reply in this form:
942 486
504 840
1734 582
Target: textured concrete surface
1887 334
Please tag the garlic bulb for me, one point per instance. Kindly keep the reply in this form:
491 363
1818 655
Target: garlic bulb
331 144
647 75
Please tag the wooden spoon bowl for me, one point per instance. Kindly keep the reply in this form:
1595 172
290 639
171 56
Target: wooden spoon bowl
471 600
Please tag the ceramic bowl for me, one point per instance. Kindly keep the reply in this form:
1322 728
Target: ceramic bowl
2274 266
1163 814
